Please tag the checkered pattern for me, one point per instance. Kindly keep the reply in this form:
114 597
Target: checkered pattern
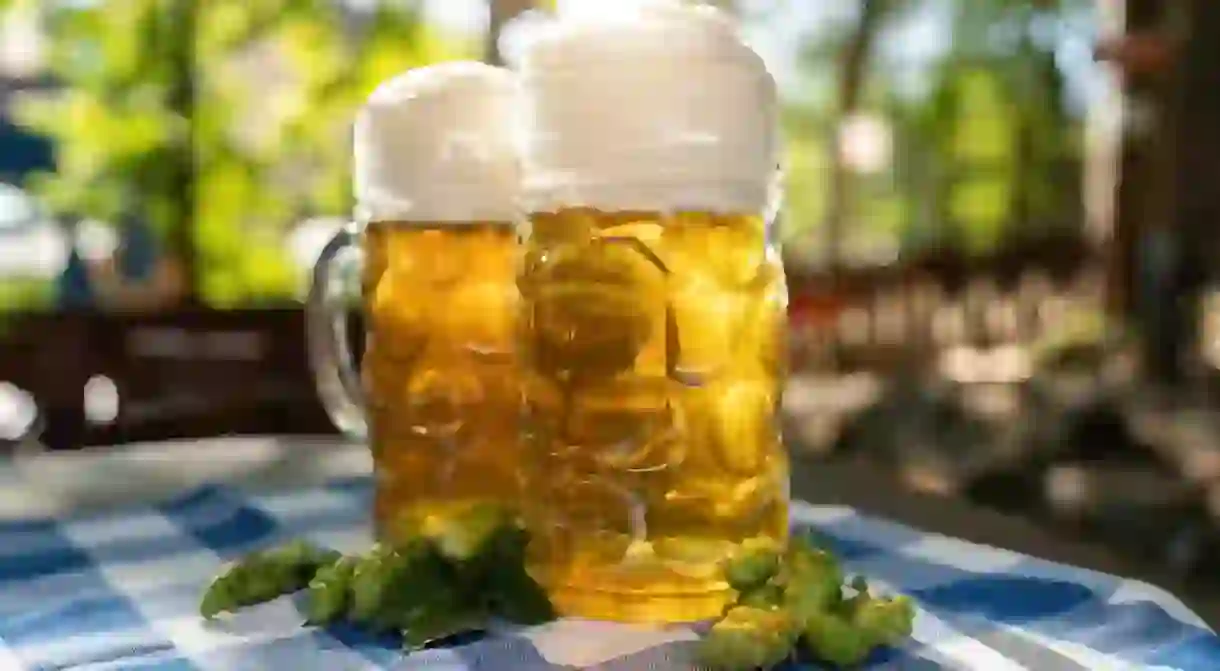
121 591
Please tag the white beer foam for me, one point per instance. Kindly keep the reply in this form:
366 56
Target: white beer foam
662 106
437 144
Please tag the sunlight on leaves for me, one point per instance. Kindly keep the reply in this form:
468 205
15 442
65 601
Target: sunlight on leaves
981 205
805 171
276 85
984 132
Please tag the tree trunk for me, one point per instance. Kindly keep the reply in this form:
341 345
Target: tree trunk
1148 192
853 68
1140 187
179 33
1195 168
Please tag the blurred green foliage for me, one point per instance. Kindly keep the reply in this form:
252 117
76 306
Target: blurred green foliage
275 85
986 151
25 294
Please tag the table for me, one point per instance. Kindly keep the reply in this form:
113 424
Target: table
63 485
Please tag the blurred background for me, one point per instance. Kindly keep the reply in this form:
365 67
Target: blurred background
1000 232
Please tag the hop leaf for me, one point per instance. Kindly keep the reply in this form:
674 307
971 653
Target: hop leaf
437 622
430 587
423 588
514 595
392 583
486 545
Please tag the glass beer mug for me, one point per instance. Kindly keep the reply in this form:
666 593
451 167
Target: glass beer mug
653 310
436 176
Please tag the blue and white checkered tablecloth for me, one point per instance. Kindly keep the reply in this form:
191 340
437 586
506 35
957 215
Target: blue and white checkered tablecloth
120 591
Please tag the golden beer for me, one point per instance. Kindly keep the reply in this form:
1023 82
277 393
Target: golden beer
653 363
653 309
436 175
439 371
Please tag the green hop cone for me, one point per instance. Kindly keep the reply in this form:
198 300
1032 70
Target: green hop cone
369 577
802 557
748 638
330 591
833 639
217 599
419 583
246 582
753 564
264 576
769 595
814 581
885 621
847 607
303 555
428 599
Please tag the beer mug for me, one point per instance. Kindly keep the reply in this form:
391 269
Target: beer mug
653 308
436 396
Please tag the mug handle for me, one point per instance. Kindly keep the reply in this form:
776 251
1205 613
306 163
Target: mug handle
335 282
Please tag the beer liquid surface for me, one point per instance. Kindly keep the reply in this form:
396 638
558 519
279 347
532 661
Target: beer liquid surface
653 358
439 369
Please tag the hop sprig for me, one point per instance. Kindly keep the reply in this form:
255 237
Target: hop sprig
799 596
448 578
848 635
265 576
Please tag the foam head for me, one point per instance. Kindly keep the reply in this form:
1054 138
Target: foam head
436 144
661 107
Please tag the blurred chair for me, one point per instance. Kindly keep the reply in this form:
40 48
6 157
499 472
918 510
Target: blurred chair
101 378
48 357
199 373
